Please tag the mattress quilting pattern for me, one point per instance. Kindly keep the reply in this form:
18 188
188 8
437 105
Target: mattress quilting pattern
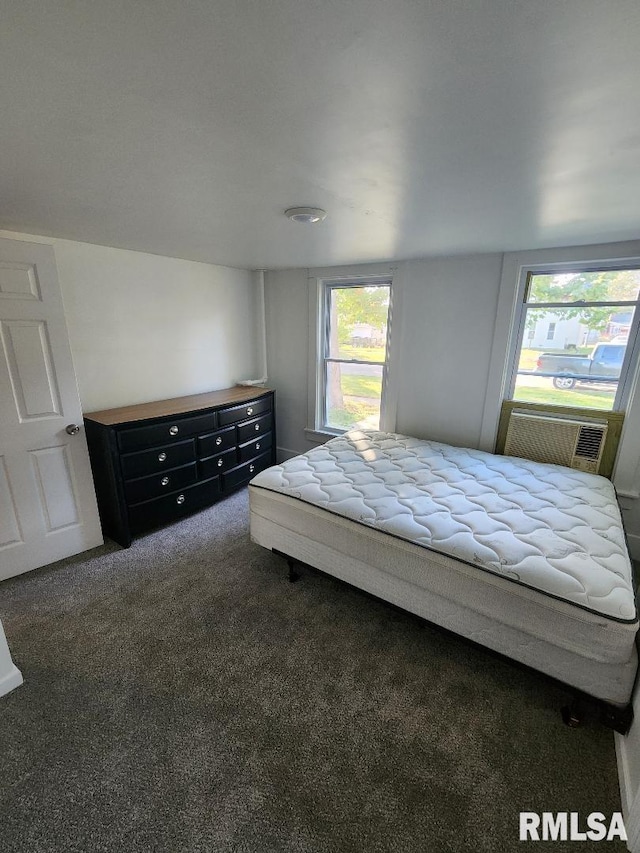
554 529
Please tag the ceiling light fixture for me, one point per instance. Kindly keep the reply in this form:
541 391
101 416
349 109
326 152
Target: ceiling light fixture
306 214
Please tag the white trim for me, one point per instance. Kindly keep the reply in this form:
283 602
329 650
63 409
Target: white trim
498 363
389 403
10 675
505 337
630 799
314 380
283 453
317 279
261 324
11 680
626 795
319 436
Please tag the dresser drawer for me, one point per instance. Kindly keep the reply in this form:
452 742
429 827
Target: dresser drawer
253 429
255 448
247 410
217 464
216 442
145 488
158 459
243 473
175 505
165 432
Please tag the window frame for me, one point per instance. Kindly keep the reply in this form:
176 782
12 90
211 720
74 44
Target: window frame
515 265
630 362
325 346
320 283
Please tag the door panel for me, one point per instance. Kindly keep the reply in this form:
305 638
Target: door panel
9 529
57 495
18 281
47 500
28 359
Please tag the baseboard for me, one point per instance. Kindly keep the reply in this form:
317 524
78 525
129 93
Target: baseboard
630 797
626 794
11 680
283 453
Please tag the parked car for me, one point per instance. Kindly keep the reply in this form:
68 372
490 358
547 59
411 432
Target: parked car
603 365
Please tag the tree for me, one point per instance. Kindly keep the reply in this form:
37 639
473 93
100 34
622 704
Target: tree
568 290
366 305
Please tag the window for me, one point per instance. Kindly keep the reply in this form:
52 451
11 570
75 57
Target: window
353 354
577 328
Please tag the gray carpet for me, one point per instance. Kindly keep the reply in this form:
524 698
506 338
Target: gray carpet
183 696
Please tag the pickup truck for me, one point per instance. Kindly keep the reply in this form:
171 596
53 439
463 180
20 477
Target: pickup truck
603 365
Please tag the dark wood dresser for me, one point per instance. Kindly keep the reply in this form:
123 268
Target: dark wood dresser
156 462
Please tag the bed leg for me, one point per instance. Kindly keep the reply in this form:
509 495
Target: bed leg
293 575
616 718
572 714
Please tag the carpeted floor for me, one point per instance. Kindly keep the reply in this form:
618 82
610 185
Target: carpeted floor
183 696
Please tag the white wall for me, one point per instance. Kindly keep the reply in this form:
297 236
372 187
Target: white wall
145 327
287 324
10 676
445 331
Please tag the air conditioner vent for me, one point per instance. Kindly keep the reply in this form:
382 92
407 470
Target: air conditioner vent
589 444
556 439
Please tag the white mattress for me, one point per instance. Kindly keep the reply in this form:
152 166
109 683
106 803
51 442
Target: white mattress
546 528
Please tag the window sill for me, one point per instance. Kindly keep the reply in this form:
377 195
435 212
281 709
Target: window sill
320 436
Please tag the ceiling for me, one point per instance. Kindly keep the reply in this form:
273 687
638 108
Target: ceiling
424 127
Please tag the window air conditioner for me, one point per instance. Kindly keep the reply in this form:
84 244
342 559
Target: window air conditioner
555 439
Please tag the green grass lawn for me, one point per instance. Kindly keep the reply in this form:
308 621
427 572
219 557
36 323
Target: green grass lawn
362 353
580 398
361 386
352 413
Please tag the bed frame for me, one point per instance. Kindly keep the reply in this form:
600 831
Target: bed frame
591 654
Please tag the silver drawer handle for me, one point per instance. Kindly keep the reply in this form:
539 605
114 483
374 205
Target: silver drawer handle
218 441
164 481
250 410
257 445
257 427
162 457
252 468
173 430
180 499
220 463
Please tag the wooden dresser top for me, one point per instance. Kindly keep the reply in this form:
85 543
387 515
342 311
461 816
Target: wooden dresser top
177 405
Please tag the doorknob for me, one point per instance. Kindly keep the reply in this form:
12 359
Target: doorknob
72 429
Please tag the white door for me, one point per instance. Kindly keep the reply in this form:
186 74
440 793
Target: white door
47 501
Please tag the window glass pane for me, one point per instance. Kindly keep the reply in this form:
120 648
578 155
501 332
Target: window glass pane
358 322
353 395
603 286
581 365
